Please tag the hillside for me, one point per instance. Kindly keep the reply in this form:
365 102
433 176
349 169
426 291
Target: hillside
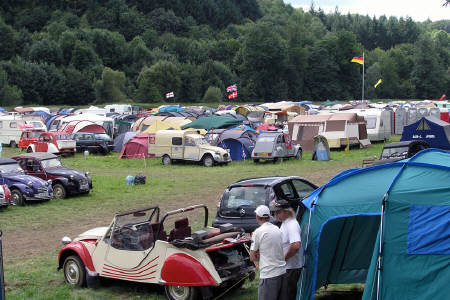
76 52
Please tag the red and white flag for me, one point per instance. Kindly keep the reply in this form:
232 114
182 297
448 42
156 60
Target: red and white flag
170 95
232 95
232 88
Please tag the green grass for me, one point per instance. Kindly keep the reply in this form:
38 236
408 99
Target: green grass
30 263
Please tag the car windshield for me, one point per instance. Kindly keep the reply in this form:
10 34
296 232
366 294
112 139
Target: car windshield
11 168
244 196
399 152
101 136
201 141
35 134
51 163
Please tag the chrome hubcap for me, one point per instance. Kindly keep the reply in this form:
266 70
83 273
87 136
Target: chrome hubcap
179 292
58 192
208 162
72 272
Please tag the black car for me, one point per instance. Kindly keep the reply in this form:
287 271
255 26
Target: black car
93 142
238 202
396 151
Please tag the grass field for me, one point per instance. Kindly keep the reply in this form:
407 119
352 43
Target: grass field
32 233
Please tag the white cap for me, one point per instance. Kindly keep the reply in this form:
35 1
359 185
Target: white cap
262 211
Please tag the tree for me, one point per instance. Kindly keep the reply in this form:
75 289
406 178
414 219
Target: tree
83 56
111 88
7 41
46 51
10 95
78 87
213 94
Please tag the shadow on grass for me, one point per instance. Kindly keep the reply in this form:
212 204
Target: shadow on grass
340 295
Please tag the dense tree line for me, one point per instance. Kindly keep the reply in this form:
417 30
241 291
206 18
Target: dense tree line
78 52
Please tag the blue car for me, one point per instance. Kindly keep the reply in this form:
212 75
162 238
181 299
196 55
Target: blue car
23 187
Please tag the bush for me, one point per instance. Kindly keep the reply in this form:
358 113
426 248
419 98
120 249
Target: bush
213 94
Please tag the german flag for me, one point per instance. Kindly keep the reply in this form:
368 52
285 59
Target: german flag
358 60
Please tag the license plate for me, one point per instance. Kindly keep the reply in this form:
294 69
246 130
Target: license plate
42 195
262 154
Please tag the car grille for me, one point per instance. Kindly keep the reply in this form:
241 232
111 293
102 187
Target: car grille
225 156
83 181
42 190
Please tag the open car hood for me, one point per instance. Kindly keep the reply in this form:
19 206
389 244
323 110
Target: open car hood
95 233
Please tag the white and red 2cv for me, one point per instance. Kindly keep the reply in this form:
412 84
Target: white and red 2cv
135 247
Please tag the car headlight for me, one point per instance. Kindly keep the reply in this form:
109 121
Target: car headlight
30 183
87 174
49 182
72 177
66 240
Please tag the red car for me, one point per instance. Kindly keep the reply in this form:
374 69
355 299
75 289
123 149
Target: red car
28 137
53 142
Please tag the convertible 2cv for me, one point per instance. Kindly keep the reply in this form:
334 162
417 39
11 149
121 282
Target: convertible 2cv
135 247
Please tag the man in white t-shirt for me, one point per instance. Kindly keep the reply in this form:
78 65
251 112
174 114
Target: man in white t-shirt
291 243
266 251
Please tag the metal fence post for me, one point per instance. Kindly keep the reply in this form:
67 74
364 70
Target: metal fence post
2 279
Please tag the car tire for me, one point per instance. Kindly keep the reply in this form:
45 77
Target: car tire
181 292
59 191
256 160
17 197
208 161
13 144
299 154
166 160
74 271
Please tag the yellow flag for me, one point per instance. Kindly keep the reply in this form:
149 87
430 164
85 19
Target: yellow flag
378 83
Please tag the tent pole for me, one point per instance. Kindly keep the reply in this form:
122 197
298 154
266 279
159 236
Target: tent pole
380 248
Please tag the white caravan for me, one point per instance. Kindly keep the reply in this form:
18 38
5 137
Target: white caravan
378 123
123 109
10 127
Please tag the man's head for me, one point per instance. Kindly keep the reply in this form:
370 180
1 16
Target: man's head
262 213
282 210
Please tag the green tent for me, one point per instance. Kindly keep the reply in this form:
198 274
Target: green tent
212 122
406 205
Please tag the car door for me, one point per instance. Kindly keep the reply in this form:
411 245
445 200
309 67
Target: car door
34 168
280 146
303 188
42 144
285 190
177 148
191 150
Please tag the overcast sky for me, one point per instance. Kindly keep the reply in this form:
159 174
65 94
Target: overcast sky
418 10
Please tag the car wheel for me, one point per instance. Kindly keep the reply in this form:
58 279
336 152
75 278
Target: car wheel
256 160
181 292
59 191
208 161
299 154
13 144
74 271
17 197
166 160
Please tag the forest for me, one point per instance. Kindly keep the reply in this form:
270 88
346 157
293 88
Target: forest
79 52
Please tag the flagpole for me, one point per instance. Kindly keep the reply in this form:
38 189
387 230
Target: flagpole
362 98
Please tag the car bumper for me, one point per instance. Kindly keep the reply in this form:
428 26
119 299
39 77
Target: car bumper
220 159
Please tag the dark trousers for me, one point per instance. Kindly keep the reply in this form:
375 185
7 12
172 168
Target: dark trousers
272 288
292 276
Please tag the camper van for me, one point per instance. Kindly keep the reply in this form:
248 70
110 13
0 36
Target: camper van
123 109
12 126
378 123
173 145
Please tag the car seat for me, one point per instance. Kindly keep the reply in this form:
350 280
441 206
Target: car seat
181 231
162 233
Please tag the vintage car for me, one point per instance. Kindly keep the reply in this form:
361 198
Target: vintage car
238 202
48 166
5 196
135 247
23 187
275 146
396 151
28 137
53 142
186 145
93 142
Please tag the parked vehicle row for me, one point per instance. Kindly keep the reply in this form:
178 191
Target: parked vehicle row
39 177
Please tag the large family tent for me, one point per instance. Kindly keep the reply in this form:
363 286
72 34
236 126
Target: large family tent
430 129
137 147
212 121
239 143
122 139
406 206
